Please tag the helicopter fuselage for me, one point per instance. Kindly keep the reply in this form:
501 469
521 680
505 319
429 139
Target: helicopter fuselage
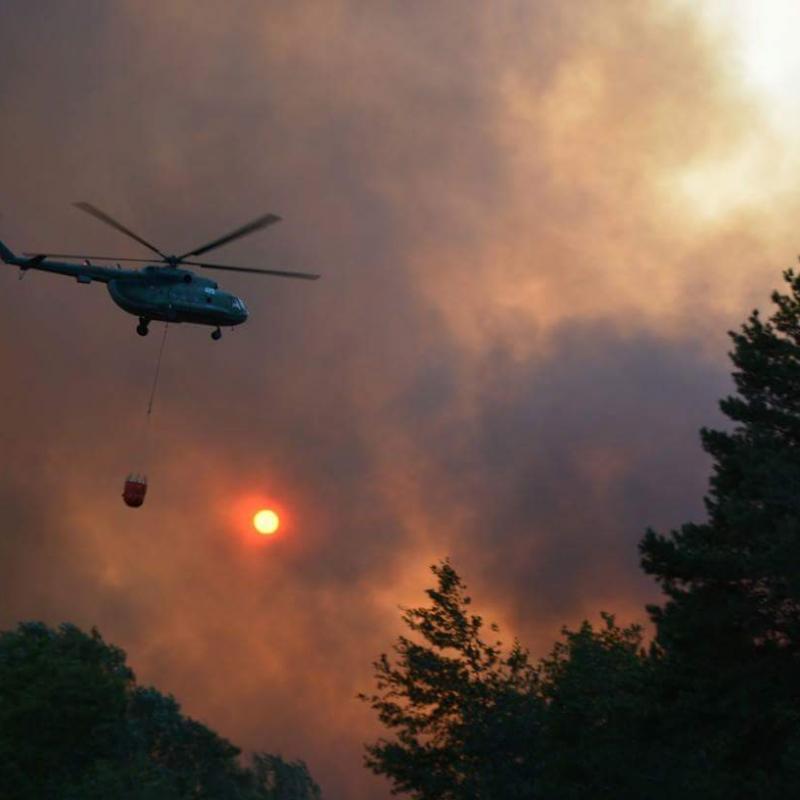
175 295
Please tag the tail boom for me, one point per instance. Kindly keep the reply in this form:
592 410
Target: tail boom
7 255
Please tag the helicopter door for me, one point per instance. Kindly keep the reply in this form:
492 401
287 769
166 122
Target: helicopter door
183 298
172 300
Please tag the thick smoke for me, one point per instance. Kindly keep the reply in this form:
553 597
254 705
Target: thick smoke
519 330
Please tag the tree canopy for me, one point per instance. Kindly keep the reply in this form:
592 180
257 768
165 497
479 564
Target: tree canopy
728 635
464 713
471 719
74 725
710 709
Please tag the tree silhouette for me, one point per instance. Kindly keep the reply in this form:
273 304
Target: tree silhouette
710 710
465 716
728 637
75 726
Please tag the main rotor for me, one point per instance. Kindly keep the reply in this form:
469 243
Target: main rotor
175 261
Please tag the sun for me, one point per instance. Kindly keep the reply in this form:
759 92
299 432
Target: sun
266 521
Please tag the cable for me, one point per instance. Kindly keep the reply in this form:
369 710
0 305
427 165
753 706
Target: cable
158 370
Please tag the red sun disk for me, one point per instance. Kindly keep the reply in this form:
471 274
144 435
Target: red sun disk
244 509
266 521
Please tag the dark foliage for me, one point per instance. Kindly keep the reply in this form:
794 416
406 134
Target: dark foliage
471 722
594 736
710 710
283 780
728 638
465 716
75 726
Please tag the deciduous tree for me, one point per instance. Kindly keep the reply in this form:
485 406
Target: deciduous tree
75 726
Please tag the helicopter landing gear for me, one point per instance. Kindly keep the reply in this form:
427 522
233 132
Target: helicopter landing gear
216 335
141 328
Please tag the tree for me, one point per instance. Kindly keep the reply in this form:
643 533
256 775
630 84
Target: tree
465 717
728 637
284 780
594 740
472 723
61 698
711 710
75 726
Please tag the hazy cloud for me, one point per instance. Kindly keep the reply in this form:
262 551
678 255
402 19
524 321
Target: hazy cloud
532 243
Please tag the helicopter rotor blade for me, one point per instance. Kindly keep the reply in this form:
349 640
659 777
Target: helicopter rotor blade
306 276
251 227
99 258
103 217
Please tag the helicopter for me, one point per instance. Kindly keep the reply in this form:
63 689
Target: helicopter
161 291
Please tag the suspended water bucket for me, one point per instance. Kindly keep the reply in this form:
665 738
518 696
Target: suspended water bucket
135 490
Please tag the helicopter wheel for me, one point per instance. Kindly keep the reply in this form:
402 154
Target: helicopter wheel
141 328
216 335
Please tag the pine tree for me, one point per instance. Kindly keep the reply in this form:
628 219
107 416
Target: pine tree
728 637
465 716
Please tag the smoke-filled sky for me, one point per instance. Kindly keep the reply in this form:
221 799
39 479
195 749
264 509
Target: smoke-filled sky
535 221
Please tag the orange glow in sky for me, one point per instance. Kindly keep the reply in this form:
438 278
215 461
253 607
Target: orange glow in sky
257 519
266 521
